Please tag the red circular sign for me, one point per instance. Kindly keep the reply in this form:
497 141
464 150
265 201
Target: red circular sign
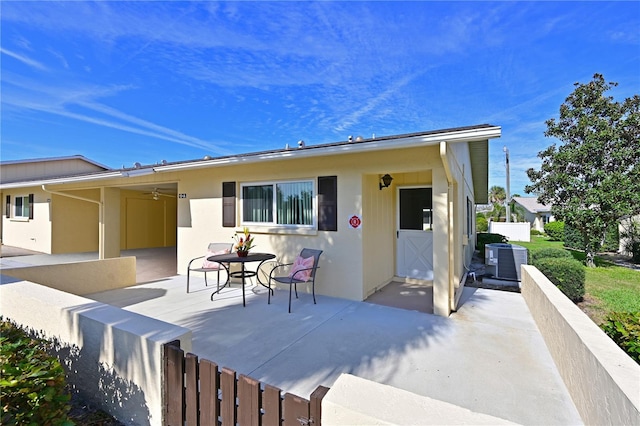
355 221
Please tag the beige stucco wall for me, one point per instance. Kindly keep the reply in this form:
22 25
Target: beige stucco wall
353 400
32 234
354 261
146 222
604 382
74 222
80 278
113 357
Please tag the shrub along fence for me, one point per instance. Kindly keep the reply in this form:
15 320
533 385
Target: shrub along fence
198 393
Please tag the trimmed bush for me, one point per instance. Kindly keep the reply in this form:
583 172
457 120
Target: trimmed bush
482 224
555 230
624 329
33 382
567 274
548 252
485 238
536 232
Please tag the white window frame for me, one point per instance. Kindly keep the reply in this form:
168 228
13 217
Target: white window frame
25 201
275 224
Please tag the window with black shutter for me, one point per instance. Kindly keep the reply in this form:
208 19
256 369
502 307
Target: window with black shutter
228 204
7 208
327 203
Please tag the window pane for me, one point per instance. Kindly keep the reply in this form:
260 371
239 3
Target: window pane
416 209
25 207
295 203
257 203
18 207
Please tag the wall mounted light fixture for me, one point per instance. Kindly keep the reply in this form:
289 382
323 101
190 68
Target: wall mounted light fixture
385 181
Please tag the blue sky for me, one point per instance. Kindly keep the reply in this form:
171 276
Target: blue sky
125 82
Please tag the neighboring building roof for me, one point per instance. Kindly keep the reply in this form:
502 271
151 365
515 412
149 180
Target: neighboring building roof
37 169
51 159
532 205
477 136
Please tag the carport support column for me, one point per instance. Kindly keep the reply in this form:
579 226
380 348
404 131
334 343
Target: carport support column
109 245
441 305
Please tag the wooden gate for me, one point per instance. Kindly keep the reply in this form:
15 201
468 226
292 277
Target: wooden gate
198 393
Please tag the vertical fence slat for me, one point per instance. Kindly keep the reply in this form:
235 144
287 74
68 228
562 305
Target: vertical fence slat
191 389
296 410
315 405
249 397
198 393
174 386
272 405
228 403
209 385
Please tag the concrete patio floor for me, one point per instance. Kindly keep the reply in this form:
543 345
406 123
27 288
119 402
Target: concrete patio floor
488 357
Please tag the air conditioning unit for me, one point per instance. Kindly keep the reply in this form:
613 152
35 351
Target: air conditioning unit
503 261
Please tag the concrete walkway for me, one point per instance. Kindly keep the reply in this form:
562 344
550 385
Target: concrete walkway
489 357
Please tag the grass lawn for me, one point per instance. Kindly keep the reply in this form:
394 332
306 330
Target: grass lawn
608 288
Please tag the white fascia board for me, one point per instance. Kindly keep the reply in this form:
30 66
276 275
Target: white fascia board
59 181
320 150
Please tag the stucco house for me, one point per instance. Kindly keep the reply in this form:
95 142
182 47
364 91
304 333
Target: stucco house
537 214
386 208
26 229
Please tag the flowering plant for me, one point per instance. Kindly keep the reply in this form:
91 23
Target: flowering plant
244 241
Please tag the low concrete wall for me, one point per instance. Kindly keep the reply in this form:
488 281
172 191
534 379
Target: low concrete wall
603 381
80 278
112 357
515 231
356 401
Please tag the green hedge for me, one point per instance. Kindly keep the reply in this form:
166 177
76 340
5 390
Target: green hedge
482 224
624 329
548 252
555 230
485 238
32 383
567 274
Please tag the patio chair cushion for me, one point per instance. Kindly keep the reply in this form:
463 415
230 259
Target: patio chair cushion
300 264
213 265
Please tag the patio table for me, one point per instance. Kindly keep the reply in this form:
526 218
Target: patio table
227 259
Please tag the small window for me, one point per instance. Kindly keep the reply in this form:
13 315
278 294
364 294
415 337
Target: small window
279 203
22 207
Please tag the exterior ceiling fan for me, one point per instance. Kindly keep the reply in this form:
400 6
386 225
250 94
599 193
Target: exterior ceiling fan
156 194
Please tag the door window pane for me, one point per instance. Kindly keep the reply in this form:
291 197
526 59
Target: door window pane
416 209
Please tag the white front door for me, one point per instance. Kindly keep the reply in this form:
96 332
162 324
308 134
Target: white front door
414 234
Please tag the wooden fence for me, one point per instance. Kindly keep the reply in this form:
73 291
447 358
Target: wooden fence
198 393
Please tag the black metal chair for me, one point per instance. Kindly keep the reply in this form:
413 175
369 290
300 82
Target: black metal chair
301 274
206 266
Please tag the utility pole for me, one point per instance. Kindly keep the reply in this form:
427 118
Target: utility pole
508 198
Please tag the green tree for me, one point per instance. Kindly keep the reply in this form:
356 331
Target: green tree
593 178
497 194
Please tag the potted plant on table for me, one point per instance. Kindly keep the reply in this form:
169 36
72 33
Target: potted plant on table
244 243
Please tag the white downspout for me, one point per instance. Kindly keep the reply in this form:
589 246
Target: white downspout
447 171
100 213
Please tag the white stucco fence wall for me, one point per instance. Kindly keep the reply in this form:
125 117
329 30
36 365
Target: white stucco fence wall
514 231
603 381
112 357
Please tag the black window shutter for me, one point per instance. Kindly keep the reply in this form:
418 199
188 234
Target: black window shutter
30 206
8 206
228 204
328 203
